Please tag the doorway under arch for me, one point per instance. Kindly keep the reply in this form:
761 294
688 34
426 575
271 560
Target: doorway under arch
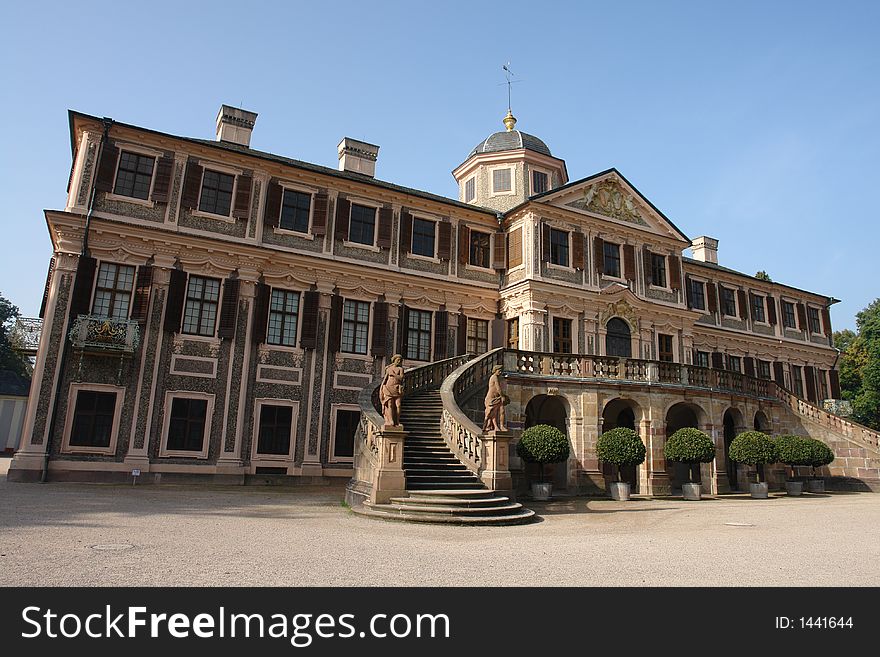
550 410
621 413
733 424
618 339
679 416
761 422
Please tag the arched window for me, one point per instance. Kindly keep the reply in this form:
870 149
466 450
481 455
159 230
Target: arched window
618 340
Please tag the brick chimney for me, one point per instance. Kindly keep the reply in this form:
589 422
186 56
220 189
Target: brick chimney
235 125
705 249
357 156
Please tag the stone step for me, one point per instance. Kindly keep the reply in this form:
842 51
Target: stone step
451 500
465 484
472 493
433 471
500 509
393 512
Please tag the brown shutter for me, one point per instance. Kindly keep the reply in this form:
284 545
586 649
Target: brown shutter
406 227
141 304
334 339
441 334
810 380
402 323
81 296
343 215
272 214
778 374
261 313
242 207
717 360
674 272
48 287
461 336
308 338
629 262
162 184
107 168
499 251
496 333
174 304
577 250
383 235
444 240
228 309
464 244
647 264
192 183
749 365
834 376
743 304
802 318
826 322
599 254
514 248
545 242
771 310
319 215
379 345
711 297
689 291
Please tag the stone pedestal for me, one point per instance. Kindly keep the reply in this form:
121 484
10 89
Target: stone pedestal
390 478
496 468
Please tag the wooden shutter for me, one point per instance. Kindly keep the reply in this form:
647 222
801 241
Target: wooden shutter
771 310
383 235
778 374
334 338
444 240
441 335
162 184
577 250
810 380
48 287
599 254
826 323
514 248
107 168
802 318
545 242
402 324
648 265
308 338
343 215
629 262
461 336
319 215
689 291
140 307
192 184
228 309
272 214
379 346
464 243
242 207
499 251
711 297
834 377
406 227
261 313
717 360
174 303
674 272
749 365
743 304
496 333
81 296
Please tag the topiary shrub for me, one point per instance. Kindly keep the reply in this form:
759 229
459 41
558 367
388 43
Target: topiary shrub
753 448
690 445
819 454
620 446
793 451
543 444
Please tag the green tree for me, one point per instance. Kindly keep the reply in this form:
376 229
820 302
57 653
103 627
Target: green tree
763 276
860 365
10 359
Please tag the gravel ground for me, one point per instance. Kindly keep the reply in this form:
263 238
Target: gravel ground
109 535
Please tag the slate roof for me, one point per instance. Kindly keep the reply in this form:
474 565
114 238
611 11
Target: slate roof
509 141
13 385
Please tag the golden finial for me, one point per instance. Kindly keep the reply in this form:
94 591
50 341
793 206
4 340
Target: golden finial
509 120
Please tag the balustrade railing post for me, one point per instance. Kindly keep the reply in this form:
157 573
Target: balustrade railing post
390 480
495 472
652 372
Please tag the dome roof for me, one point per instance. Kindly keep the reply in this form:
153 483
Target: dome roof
509 140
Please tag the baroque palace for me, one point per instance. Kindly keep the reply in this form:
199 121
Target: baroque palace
211 309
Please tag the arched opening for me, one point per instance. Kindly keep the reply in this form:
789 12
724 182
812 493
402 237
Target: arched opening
618 339
548 409
621 413
761 422
733 424
679 416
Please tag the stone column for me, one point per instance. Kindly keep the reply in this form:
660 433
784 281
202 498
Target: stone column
591 479
390 478
717 470
531 330
496 466
655 460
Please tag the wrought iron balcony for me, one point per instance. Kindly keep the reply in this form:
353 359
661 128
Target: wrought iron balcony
104 335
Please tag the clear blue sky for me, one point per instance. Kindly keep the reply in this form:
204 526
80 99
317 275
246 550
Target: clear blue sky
752 122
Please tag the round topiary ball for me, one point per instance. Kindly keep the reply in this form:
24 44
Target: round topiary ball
753 448
689 445
793 450
819 453
543 444
621 446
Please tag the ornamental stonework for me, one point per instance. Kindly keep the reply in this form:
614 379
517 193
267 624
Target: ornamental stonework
610 199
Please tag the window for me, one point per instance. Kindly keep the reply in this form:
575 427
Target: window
186 430
561 335
797 380
815 324
477 336
823 384
664 344
363 224
275 425
728 302
734 363
216 195
93 419
698 295
763 369
701 359
788 318
513 333
539 182
559 247
423 237
479 249
295 209
283 318
113 291
501 181
470 189
612 259
658 270
355 326
418 335
134 175
758 308
202 295
343 436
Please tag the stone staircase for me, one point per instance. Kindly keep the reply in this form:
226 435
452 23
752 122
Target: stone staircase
440 488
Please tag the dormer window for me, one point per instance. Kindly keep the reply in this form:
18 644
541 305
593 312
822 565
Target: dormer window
540 182
502 181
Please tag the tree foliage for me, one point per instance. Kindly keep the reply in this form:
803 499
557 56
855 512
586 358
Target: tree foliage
543 444
689 445
763 276
10 359
860 365
621 446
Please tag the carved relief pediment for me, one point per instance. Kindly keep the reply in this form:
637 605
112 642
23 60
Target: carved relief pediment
609 198
620 309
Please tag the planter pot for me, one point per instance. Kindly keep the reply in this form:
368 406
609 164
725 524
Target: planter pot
815 485
541 492
620 491
758 491
794 488
691 491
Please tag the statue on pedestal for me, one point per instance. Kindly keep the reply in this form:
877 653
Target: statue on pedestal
496 400
391 391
